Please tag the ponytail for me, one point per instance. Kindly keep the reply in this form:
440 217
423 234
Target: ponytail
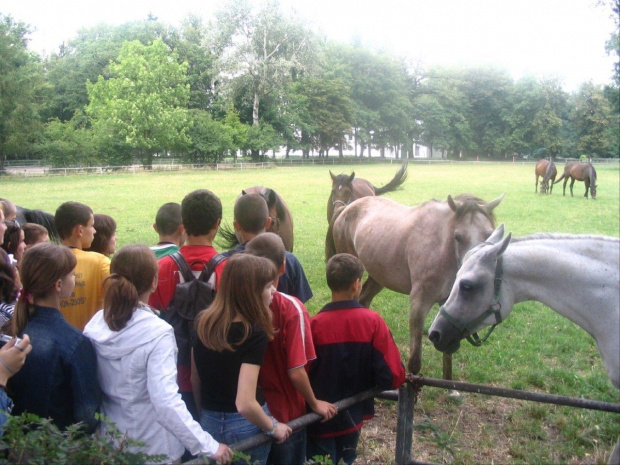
133 268
119 301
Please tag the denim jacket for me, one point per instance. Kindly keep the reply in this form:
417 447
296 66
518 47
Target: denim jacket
59 378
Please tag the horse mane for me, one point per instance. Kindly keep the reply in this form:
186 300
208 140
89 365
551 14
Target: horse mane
565 236
592 175
45 219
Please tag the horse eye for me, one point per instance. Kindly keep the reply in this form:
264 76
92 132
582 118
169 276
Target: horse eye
466 286
458 237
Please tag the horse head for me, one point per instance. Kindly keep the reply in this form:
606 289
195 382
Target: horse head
342 188
544 185
473 222
474 300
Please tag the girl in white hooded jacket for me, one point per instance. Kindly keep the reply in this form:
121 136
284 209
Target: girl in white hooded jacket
136 364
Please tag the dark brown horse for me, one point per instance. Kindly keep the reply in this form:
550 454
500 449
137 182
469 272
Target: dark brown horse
411 250
281 219
548 171
346 189
577 171
45 219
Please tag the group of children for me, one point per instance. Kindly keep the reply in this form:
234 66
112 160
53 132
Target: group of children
254 362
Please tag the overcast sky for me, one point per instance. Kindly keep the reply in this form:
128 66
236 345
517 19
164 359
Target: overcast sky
546 38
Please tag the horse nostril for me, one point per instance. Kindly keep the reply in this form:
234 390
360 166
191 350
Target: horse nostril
434 336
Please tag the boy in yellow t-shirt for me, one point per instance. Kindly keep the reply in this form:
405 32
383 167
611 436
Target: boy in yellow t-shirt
75 224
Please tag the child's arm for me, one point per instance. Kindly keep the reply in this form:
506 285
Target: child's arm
248 406
299 378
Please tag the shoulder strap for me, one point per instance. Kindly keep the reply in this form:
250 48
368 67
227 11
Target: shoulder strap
184 268
208 269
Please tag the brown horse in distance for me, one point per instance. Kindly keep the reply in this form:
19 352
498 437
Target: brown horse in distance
411 250
281 219
347 188
548 171
578 171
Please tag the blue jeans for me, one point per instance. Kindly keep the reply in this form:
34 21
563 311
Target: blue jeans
229 428
338 448
290 452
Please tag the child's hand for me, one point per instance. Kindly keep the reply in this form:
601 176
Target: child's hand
283 431
325 409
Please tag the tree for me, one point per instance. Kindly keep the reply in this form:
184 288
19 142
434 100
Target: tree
21 91
85 58
144 100
259 51
592 120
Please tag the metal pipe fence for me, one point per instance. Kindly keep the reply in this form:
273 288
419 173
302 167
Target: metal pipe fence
406 397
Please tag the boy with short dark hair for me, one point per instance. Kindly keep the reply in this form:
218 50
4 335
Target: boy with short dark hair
355 352
251 219
34 233
283 378
75 225
201 213
169 225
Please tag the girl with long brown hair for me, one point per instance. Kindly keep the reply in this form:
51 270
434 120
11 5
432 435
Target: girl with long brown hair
59 378
136 361
232 336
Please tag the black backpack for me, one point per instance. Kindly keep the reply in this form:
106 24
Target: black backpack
190 297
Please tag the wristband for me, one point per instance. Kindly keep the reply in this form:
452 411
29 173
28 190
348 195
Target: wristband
275 427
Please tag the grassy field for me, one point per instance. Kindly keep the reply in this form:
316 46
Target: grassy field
535 349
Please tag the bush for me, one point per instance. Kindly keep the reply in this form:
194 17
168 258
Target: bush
30 439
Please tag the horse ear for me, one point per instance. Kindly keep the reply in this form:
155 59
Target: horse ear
332 176
243 192
496 235
351 178
500 248
494 203
452 203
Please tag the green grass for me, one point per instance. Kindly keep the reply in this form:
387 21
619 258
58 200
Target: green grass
534 349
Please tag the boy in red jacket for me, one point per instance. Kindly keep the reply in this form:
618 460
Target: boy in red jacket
355 352
283 378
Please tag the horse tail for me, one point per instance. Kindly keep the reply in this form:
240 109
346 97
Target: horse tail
561 177
227 239
330 244
399 178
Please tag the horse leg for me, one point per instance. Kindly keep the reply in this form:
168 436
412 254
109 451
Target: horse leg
419 310
587 183
369 290
536 185
572 181
551 185
564 186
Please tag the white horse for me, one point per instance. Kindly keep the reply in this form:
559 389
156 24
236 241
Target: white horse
577 276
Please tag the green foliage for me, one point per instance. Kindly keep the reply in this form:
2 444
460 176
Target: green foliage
21 92
144 100
30 439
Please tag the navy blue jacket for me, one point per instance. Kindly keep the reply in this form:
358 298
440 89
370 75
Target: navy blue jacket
293 281
355 352
59 379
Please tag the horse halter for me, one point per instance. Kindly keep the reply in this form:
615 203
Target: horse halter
494 309
344 204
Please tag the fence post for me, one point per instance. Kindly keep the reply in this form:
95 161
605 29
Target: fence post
404 425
